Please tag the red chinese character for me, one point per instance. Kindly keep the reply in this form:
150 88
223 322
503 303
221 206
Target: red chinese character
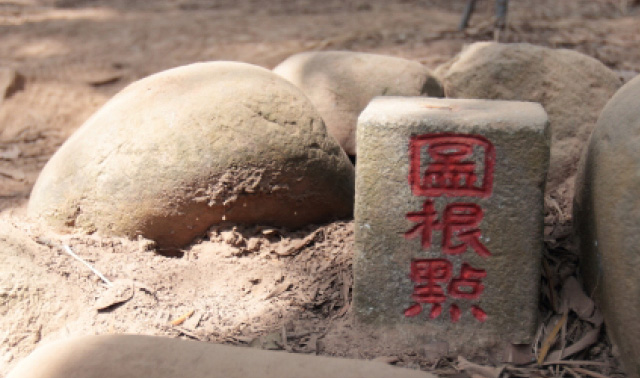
479 313
469 278
429 274
451 167
460 220
455 313
476 311
427 222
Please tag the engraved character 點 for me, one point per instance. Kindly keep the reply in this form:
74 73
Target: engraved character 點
433 276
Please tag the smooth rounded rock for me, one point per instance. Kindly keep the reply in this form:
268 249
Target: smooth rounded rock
571 86
340 84
181 150
607 220
132 356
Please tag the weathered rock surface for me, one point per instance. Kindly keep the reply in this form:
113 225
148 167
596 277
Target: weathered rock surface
129 356
340 84
193 146
449 194
571 86
607 220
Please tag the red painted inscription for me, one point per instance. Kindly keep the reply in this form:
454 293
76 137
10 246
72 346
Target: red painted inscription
450 169
449 165
433 279
460 220
468 284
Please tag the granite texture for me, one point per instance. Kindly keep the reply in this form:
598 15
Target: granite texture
511 228
607 220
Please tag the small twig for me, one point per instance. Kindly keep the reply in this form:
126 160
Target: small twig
68 250
589 373
183 318
575 362
573 372
537 339
548 342
189 334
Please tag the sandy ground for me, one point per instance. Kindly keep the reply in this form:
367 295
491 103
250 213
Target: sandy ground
262 287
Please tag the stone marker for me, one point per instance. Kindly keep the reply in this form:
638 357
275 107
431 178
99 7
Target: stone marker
607 220
449 221
129 356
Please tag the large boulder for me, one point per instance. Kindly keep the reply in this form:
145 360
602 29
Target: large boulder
193 146
340 84
607 220
571 86
135 356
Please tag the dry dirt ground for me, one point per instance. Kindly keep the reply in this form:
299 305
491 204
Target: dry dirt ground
259 286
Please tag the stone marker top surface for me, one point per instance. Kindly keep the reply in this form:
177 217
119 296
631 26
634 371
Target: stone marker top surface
390 112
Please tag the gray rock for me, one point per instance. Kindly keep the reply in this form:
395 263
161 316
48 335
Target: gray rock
607 220
193 146
420 227
571 86
340 84
132 356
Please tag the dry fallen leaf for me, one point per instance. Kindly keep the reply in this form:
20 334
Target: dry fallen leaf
551 338
120 292
586 341
575 299
589 373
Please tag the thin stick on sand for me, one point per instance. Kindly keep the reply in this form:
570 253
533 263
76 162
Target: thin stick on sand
68 250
